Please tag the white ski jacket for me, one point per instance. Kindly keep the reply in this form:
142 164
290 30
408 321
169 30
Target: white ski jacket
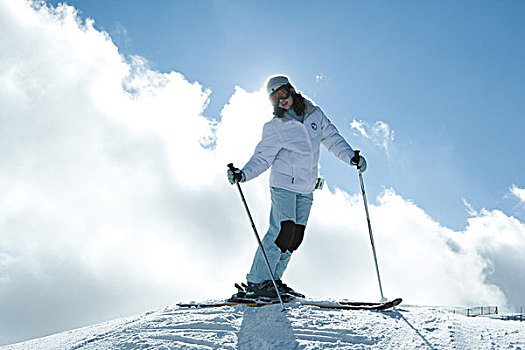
292 149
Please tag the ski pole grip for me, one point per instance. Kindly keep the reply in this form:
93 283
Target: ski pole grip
232 168
356 158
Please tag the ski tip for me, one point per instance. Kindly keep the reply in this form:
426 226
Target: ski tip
391 304
397 301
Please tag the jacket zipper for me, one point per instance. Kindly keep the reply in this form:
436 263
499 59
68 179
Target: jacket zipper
309 140
293 171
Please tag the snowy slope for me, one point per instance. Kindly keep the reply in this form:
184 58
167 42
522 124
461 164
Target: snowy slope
302 327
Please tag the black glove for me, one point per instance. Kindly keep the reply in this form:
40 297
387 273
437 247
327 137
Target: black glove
359 161
236 175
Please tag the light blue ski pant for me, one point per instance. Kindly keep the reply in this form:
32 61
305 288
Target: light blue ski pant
287 207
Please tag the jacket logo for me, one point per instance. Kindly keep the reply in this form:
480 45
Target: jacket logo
314 126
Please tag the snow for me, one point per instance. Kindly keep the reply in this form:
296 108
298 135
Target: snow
301 327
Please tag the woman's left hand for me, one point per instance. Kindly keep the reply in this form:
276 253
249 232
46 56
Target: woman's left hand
359 162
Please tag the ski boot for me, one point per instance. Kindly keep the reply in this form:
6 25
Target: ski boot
266 290
283 288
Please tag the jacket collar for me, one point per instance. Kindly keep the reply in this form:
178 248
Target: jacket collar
310 108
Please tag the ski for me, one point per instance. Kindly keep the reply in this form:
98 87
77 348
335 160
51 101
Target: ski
228 303
342 305
245 297
249 298
348 305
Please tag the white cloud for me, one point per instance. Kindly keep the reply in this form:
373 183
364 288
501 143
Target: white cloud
115 199
470 209
379 133
359 126
519 193
419 259
500 240
319 78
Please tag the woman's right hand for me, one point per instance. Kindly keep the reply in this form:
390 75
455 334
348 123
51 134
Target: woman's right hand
236 175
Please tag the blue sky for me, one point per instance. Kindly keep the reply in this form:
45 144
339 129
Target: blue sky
447 77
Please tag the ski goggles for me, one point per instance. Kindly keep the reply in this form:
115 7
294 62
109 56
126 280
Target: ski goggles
282 94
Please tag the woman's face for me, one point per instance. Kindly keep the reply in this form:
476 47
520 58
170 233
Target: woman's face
284 96
287 103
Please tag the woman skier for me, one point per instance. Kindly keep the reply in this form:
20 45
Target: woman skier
290 145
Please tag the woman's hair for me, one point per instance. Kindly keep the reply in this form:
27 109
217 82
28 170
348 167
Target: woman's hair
298 105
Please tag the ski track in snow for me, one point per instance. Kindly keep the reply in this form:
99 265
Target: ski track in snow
302 327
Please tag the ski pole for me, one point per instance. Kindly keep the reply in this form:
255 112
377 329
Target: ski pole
232 168
383 299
